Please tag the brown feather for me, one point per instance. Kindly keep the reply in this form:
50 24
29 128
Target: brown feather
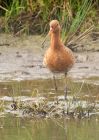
58 58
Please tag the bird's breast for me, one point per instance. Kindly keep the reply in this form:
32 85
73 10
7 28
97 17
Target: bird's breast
59 60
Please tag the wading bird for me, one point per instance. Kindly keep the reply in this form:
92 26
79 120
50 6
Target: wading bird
58 58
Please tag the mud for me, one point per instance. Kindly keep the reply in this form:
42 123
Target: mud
40 107
26 88
21 59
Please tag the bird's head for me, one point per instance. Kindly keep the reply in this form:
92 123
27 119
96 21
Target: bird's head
54 29
54 26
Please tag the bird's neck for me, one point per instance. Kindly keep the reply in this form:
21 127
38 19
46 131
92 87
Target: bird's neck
55 40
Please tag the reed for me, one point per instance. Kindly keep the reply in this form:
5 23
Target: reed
34 16
76 21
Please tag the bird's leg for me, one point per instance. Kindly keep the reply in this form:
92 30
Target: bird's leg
55 83
65 90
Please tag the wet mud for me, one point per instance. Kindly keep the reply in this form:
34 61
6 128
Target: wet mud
26 86
21 59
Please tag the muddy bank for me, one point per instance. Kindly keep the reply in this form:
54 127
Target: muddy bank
30 92
21 58
37 99
41 107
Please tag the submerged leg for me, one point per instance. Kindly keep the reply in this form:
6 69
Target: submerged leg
55 83
65 90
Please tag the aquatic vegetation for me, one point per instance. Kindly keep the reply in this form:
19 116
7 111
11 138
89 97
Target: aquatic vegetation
34 105
42 108
1 106
36 99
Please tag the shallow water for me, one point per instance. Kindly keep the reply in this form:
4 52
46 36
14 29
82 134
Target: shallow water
45 87
16 97
23 79
12 128
14 125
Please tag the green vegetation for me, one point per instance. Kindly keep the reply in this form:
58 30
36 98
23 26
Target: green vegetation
33 16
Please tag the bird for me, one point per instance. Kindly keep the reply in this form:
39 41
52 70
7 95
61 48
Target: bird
58 58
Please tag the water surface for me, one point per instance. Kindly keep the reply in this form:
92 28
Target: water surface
50 129
24 79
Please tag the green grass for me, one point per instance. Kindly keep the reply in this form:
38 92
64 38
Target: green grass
33 16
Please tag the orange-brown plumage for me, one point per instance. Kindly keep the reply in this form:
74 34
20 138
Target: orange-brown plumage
58 58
